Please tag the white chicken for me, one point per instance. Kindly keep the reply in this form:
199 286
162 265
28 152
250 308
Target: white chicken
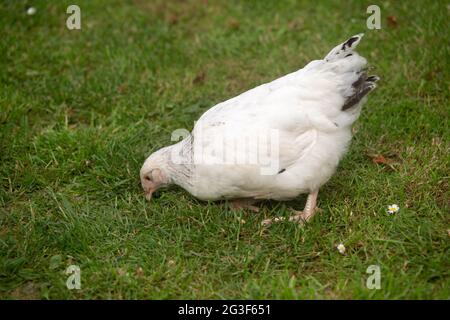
275 141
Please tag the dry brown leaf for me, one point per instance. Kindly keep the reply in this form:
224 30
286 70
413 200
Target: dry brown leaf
122 88
233 24
173 19
379 159
382 160
392 21
200 78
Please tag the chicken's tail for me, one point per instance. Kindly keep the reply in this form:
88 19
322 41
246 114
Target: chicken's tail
344 49
359 83
361 87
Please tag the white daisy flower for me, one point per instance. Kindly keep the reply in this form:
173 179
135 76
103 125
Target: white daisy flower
31 11
341 248
392 209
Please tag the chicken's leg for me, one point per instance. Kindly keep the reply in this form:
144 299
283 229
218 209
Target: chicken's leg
300 216
309 211
244 204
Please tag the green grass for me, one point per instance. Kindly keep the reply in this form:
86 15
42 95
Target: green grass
81 110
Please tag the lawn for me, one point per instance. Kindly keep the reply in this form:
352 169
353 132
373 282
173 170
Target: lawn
80 110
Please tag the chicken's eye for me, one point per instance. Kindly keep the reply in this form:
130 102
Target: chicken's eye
148 178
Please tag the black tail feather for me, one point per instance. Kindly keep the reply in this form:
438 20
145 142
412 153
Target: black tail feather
362 86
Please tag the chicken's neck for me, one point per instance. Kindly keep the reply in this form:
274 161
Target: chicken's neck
180 163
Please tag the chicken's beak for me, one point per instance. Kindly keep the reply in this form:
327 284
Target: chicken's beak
148 194
151 184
